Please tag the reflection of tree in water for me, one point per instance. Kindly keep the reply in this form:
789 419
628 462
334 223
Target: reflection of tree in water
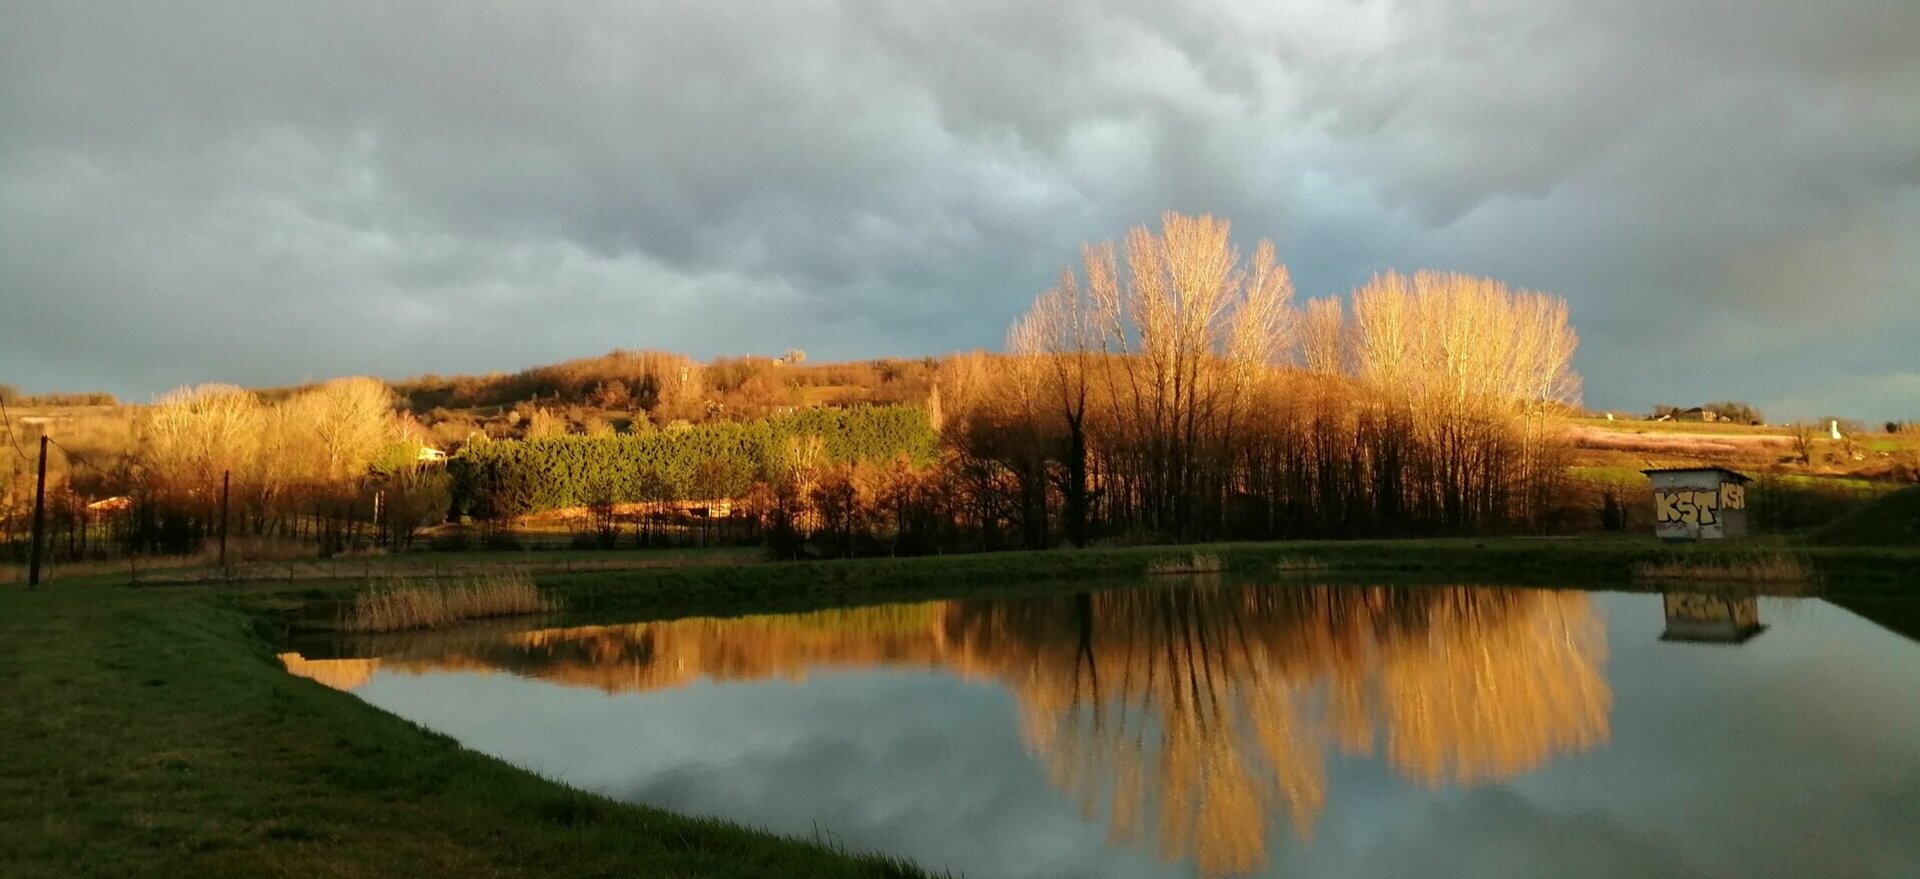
1207 713
1192 717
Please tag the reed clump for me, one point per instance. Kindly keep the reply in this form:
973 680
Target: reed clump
1196 563
1768 568
401 605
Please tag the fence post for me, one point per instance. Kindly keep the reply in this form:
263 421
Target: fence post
39 516
226 486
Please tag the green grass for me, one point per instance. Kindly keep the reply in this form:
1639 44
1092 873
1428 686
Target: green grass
1584 562
407 564
688 555
1611 475
149 731
1891 520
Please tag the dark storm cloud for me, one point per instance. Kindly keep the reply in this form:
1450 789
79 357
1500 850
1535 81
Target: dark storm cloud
1726 192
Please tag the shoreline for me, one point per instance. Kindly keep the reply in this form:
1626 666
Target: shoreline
151 731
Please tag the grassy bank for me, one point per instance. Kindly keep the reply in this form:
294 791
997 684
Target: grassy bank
150 732
1570 563
202 569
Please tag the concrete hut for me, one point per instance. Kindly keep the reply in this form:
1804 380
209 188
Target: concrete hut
1698 503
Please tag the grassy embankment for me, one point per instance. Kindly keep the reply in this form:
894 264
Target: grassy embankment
1574 563
304 567
149 730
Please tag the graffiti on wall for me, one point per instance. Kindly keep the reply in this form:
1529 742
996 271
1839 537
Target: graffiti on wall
1697 506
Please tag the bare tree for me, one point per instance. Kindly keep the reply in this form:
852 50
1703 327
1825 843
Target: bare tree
1061 332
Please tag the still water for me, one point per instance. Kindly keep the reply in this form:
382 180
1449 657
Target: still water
1225 730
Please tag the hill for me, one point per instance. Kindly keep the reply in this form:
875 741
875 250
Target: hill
1892 520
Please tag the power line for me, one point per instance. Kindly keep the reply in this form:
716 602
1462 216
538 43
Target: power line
6 420
74 456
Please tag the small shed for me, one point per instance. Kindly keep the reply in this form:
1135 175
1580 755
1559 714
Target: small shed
1698 503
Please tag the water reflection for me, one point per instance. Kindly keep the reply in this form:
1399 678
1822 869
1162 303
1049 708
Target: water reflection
1198 717
1187 720
1711 619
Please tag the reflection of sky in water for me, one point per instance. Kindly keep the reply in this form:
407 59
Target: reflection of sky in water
1795 754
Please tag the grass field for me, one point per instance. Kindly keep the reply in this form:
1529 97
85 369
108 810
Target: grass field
1629 425
149 731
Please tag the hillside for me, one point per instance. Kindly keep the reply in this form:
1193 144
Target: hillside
1893 520
636 391
623 387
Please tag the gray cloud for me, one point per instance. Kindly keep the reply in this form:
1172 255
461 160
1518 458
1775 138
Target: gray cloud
1726 192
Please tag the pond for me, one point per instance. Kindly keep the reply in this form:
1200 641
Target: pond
1225 730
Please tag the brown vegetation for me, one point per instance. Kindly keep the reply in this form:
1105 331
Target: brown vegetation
300 466
1194 563
401 605
1173 391
11 396
1776 567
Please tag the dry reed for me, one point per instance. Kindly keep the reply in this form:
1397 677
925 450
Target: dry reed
1773 568
400 605
1197 563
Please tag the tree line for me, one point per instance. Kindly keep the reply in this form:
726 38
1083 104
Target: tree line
1171 389
335 463
1168 387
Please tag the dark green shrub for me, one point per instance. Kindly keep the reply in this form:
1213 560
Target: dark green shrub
500 480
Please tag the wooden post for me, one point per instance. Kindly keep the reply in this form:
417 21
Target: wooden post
226 487
39 516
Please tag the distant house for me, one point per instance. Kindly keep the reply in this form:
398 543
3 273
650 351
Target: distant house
1697 414
116 504
705 509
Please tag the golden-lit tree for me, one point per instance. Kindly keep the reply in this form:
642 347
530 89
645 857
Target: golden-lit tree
1187 325
347 422
1323 348
194 435
1060 338
1171 389
1467 371
293 465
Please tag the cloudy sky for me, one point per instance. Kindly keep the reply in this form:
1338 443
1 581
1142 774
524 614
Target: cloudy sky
1727 191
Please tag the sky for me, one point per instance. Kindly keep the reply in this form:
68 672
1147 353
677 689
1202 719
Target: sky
1727 192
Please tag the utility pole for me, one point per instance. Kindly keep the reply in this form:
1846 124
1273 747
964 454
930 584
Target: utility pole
226 486
39 516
